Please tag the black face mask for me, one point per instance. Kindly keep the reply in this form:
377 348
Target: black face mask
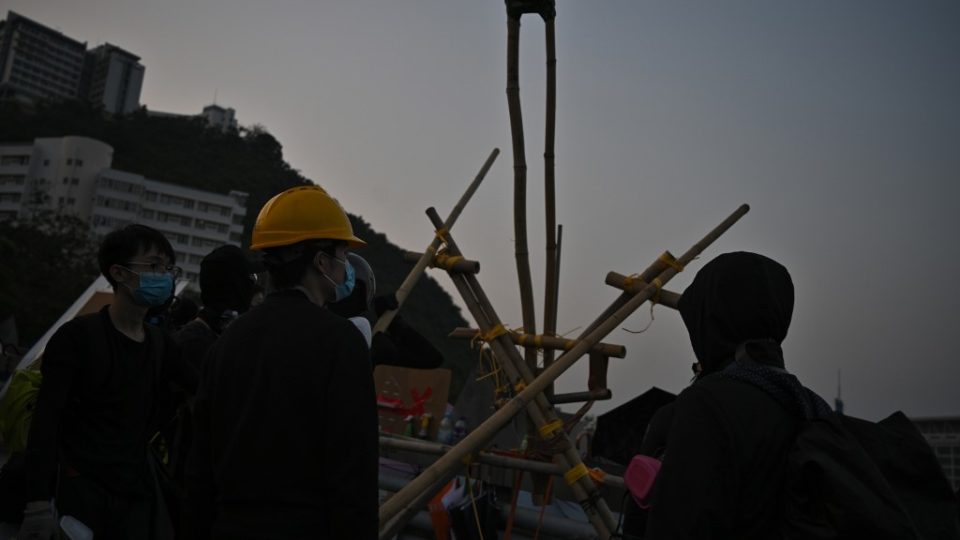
354 305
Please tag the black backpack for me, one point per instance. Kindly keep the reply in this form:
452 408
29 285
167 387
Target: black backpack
851 478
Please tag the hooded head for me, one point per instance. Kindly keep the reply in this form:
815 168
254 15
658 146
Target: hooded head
226 280
736 300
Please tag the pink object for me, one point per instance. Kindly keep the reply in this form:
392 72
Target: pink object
640 476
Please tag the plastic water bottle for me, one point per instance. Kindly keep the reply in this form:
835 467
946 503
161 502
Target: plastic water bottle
460 429
445 431
74 529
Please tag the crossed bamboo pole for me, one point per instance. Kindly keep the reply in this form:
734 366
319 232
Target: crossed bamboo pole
428 255
530 398
541 413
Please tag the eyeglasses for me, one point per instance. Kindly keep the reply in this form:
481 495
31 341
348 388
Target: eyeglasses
159 268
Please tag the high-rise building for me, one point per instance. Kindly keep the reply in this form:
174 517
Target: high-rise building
943 434
37 62
114 79
74 175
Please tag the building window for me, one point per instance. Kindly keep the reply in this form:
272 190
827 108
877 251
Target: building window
15 160
65 180
79 162
238 219
151 195
71 200
69 161
75 181
46 163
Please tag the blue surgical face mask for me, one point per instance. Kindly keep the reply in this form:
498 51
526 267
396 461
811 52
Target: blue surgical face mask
154 289
343 290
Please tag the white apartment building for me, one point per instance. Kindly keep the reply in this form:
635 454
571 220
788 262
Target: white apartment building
73 175
194 221
943 434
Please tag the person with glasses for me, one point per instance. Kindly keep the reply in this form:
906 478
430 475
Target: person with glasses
104 381
285 445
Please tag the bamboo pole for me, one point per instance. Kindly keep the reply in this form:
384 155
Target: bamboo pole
539 410
488 458
521 251
577 397
483 433
452 264
411 280
392 527
634 285
544 342
552 291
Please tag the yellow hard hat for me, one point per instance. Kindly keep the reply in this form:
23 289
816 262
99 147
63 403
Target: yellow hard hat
302 213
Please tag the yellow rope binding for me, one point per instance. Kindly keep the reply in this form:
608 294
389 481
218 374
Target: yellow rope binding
548 429
656 296
441 234
671 261
575 474
446 262
520 387
494 333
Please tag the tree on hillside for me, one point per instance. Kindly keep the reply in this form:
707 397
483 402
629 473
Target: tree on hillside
48 260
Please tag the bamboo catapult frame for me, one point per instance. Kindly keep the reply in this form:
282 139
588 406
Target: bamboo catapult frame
532 390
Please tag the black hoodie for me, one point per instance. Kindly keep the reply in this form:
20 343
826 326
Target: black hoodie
726 452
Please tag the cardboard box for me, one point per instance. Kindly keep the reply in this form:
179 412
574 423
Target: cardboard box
406 391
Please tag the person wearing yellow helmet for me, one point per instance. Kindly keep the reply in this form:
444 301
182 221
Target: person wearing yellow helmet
286 425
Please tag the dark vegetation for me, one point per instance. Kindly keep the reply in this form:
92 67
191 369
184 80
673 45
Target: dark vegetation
46 262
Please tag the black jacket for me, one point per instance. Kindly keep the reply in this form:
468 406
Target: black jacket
99 404
725 462
286 428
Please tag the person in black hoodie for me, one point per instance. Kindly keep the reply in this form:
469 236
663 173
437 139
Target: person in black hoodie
285 445
725 458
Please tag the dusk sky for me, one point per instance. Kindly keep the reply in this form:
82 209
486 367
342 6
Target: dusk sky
838 122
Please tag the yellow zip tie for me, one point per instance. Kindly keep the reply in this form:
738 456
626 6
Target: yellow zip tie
441 234
520 386
494 333
670 261
547 429
629 280
569 344
442 260
575 474
656 296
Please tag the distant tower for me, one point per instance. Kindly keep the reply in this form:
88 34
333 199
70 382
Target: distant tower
838 402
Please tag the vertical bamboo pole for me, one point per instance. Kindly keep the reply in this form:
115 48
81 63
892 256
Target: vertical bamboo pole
411 280
483 433
552 260
520 185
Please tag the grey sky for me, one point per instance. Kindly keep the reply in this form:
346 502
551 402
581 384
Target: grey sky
838 122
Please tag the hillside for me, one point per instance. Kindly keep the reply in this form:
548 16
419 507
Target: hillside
183 151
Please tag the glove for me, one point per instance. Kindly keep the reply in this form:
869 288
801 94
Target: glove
39 521
384 303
